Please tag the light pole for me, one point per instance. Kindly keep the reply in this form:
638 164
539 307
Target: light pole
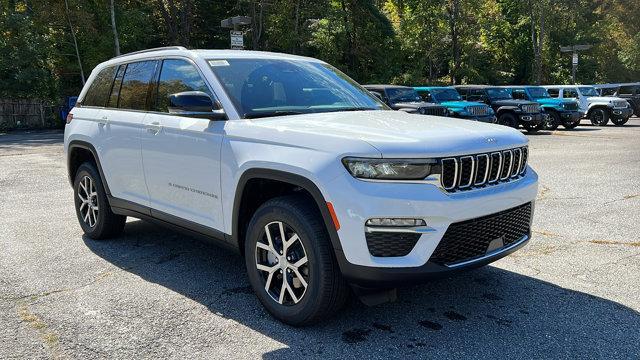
574 60
234 23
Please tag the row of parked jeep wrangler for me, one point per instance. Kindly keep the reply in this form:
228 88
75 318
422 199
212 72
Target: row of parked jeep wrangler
532 107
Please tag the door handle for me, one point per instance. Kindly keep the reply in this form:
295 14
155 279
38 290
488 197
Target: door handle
154 127
103 121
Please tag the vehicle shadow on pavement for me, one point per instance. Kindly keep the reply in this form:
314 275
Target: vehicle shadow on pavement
484 313
32 138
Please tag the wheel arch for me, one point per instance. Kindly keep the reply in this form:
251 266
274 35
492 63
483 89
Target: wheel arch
245 184
597 106
80 151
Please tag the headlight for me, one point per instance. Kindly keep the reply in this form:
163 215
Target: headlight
389 169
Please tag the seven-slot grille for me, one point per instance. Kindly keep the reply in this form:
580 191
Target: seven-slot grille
478 110
620 103
472 171
470 239
436 110
531 108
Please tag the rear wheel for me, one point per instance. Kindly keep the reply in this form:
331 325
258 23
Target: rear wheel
291 264
92 207
508 119
599 117
619 121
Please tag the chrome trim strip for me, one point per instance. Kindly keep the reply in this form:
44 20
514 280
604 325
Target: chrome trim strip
455 173
499 167
516 170
521 241
399 229
486 171
510 165
471 176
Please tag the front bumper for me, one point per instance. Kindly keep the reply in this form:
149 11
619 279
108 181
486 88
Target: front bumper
533 119
357 201
621 113
383 277
571 115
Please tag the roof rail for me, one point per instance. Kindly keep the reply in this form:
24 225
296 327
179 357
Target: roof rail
152 50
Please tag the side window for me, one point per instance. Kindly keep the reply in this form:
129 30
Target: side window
608 91
178 76
98 91
115 90
570 94
135 85
626 90
553 92
519 95
474 95
463 93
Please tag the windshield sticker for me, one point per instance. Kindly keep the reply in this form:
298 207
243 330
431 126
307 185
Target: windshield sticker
218 63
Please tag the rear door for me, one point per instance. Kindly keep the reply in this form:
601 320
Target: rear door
181 154
123 126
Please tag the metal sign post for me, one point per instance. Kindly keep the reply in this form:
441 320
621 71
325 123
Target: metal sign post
236 35
574 60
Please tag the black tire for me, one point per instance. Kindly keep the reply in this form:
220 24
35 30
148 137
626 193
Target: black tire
571 124
101 223
619 121
599 117
326 291
508 119
552 121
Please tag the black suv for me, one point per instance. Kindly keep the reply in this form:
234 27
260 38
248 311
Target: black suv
510 112
629 92
406 99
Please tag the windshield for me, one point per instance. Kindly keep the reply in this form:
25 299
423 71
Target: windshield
441 95
538 92
498 94
272 87
588 91
397 95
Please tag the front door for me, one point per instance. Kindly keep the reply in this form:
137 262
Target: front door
181 155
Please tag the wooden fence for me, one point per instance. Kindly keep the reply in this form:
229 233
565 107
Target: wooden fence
28 114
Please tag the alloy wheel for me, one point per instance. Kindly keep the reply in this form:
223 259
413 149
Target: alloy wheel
282 262
88 201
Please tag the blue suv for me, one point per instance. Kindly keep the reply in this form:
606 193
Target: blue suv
565 112
449 98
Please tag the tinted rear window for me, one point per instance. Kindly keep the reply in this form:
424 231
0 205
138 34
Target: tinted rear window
98 91
135 85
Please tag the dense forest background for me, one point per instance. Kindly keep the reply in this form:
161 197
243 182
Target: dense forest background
49 47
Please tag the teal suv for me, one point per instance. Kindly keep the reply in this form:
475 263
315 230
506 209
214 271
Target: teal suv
565 112
449 98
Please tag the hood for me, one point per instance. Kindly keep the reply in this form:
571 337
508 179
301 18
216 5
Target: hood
413 105
389 133
553 101
602 99
461 104
511 102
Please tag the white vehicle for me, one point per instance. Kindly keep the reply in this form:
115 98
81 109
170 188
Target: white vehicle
306 174
598 109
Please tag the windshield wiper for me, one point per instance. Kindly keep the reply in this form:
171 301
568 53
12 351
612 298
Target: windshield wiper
262 114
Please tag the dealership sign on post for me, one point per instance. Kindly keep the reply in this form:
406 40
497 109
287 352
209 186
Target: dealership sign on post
575 59
237 40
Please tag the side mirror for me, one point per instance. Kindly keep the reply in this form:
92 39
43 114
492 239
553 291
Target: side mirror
195 104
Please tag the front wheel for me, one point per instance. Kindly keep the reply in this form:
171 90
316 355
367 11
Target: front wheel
92 207
552 121
508 119
569 124
619 121
599 117
533 128
291 264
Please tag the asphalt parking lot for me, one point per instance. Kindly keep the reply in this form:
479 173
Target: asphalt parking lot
573 292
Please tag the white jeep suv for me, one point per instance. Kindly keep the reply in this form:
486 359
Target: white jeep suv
598 109
318 184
